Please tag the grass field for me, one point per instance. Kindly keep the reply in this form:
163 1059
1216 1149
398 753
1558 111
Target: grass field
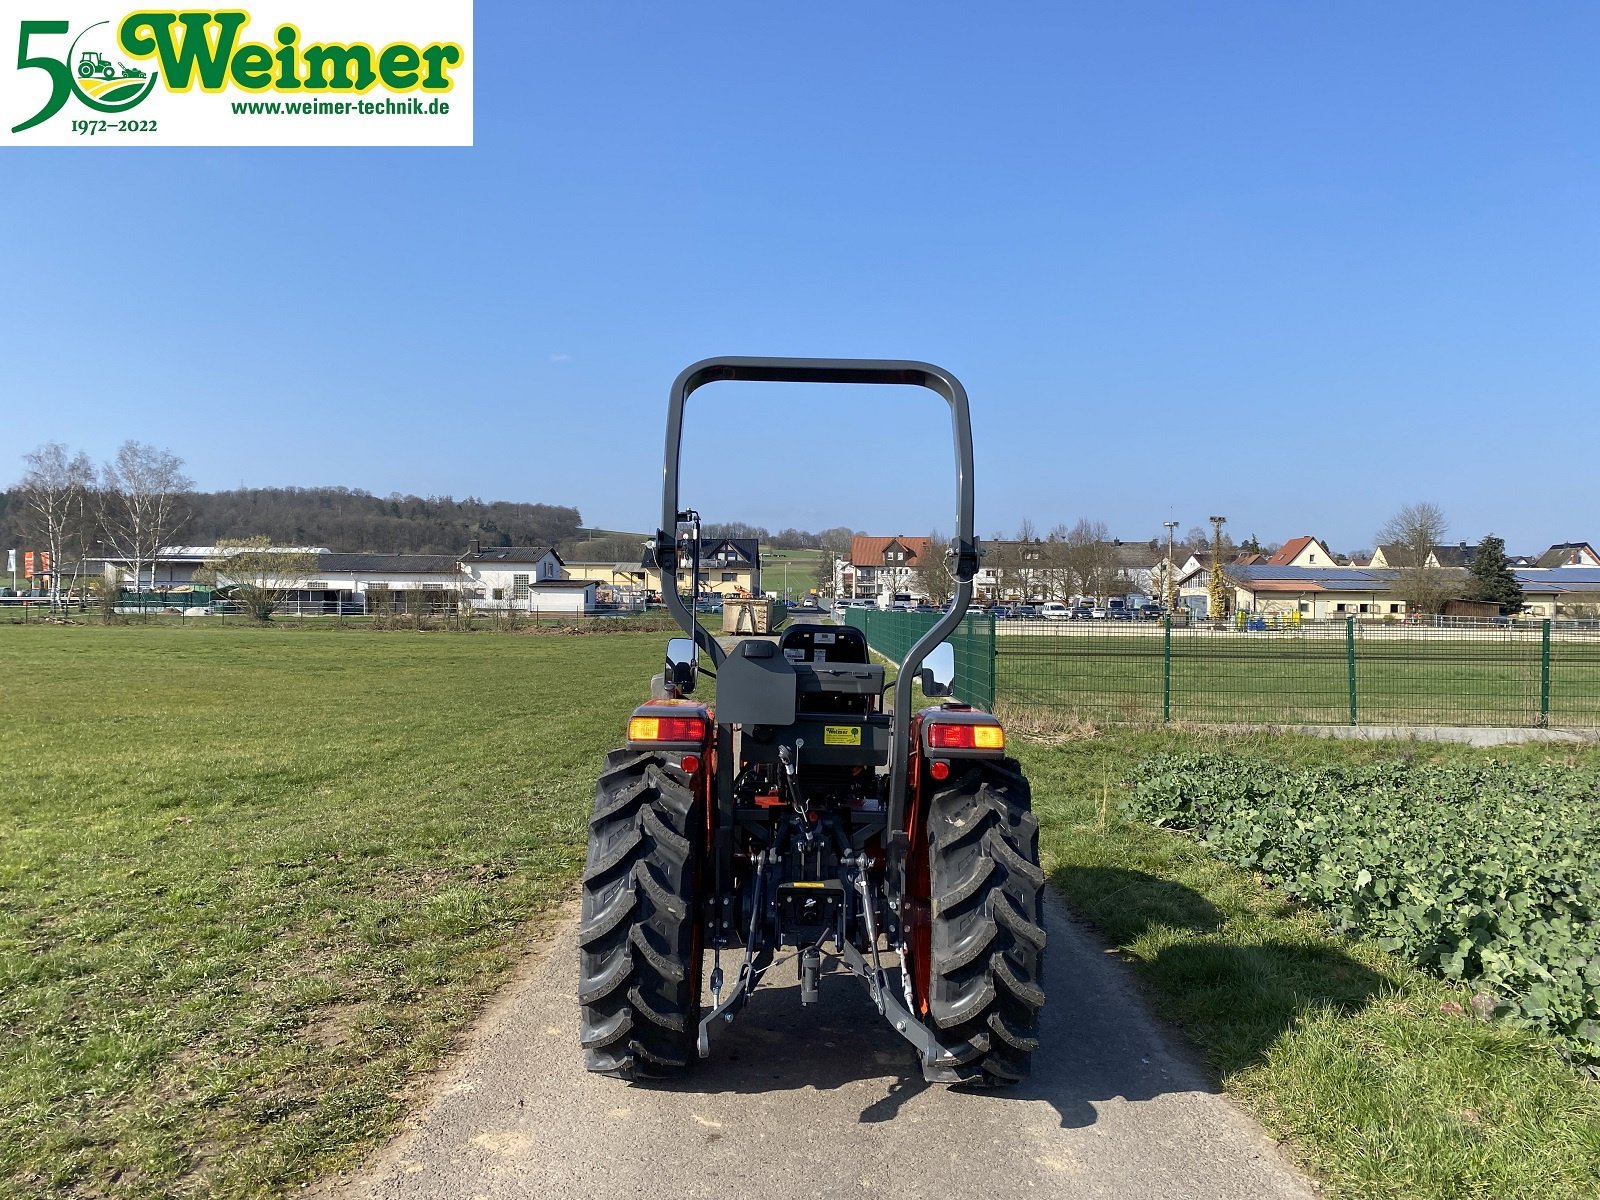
1229 678
256 880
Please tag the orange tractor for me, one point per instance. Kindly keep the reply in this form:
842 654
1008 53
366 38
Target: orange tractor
806 817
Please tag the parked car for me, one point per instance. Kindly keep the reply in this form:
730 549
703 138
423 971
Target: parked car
1120 614
1082 612
1152 612
1099 613
1055 612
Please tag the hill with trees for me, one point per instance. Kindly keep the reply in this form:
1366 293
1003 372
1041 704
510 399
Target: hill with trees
348 519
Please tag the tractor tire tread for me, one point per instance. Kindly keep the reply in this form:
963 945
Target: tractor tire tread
988 937
639 971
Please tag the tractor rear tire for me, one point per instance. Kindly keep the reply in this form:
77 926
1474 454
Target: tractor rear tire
986 969
638 936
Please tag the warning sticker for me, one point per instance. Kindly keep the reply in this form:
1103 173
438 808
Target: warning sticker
841 735
823 639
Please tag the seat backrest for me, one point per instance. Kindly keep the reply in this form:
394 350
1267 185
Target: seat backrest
824 643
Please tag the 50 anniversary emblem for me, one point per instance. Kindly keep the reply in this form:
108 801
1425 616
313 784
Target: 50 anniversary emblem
209 77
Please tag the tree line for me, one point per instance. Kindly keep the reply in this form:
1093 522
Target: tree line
139 501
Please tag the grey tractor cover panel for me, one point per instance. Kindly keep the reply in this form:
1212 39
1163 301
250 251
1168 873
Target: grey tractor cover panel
756 685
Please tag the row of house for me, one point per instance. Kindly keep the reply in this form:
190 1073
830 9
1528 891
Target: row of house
497 577
880 568
1303 576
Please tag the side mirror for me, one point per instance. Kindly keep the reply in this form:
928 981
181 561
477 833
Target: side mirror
938 670
683 665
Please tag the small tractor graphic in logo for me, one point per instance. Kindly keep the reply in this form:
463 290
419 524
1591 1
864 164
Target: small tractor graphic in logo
95 63
104 85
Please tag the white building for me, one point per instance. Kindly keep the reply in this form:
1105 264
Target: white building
525 578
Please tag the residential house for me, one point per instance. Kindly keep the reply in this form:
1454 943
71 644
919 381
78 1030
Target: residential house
1393 557
624 584
731 566
525 578
881 567
1322 593
1568 554
1307 551
728 567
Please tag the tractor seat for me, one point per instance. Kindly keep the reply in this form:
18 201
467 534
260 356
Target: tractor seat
824 644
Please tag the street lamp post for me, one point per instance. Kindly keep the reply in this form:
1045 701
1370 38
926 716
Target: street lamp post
1170 588
1216 598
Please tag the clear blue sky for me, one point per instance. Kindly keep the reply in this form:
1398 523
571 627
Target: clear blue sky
1299 264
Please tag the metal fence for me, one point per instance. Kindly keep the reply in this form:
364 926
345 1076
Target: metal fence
892 634
1340 672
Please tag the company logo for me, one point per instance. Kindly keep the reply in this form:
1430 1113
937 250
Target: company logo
92 71
226 67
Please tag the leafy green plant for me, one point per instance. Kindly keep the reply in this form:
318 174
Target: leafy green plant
1483 873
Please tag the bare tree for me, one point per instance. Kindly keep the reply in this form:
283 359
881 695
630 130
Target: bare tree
1198 540
1408 539
1089 558
256 575
835 544
1054 573
55 501
934 579
141 493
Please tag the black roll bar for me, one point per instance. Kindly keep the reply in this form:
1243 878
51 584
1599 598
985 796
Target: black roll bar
904 372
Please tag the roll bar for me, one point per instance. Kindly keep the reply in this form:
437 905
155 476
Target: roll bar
903 372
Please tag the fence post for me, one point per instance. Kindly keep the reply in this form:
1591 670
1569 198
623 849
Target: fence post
1350 659
1166 668
994 664
1544 674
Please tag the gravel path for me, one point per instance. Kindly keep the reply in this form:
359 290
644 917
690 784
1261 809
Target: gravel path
828 1102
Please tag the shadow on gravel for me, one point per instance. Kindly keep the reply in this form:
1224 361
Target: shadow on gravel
1235 997
1097 1041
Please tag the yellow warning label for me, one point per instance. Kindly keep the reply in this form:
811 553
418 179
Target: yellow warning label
841 735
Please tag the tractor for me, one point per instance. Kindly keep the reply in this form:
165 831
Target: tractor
806 817
92 62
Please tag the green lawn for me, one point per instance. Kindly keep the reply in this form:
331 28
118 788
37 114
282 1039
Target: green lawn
256 879
1280 678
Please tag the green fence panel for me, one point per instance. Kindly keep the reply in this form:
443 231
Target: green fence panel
1283 671
892 634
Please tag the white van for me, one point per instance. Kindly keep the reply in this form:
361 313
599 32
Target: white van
1054 612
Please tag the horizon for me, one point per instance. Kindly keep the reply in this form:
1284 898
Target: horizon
1236 539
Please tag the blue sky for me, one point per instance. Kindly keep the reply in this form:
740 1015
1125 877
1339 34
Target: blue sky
1299 264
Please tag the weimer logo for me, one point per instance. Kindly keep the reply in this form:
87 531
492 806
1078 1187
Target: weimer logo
89 72
207 45
271 69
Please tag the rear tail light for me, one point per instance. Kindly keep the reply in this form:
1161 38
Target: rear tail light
965 737
667 729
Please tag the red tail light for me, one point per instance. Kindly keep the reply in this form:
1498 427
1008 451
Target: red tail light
667 729
965 737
